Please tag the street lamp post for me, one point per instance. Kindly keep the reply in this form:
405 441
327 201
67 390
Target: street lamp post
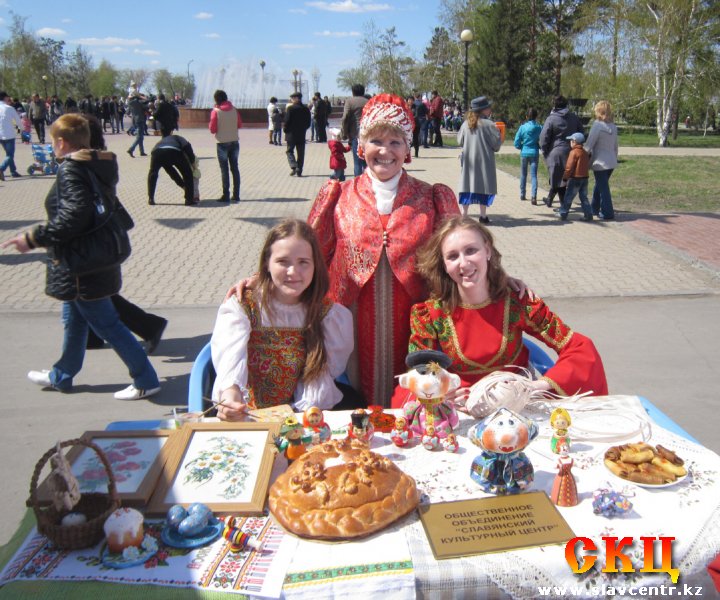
466 36
295 79
187 80
44 78
262 83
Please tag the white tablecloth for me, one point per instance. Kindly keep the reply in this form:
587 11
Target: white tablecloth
688 511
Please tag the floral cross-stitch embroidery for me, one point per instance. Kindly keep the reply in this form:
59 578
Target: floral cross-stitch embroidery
225 458
123 460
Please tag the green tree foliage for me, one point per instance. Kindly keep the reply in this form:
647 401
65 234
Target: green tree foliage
559 18
349 77
681 42
384 55
173 83
79 72
501 54
104 80
54 53
23 62
438 70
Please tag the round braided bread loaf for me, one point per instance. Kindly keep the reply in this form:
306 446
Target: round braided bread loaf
341 490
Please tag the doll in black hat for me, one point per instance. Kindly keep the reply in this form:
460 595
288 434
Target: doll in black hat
360 427
428 382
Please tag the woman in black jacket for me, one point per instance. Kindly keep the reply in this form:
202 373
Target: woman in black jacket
554 145
86 300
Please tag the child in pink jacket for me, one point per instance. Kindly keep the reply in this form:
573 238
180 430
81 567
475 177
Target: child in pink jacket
337 155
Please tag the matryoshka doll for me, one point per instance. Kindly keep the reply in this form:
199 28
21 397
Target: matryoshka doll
450 443
430 440
401 434
315 425
560 421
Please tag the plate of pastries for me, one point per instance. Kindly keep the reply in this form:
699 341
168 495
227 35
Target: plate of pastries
646 465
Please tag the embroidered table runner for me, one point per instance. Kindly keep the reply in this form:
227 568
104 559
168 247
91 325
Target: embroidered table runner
398 561
212 567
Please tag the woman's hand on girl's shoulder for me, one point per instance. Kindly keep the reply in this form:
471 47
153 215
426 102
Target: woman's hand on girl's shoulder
232 406
249 283
519 286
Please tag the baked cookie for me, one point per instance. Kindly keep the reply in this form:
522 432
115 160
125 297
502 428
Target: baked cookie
340 490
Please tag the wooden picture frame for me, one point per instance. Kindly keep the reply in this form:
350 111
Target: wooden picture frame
136 457
226 466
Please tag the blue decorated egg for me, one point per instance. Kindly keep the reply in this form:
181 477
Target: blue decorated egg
197 508
175 516
192 525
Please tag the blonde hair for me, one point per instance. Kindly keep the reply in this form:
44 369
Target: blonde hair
472 119
73 128
560 412
431 265
603 111
312 297
382 128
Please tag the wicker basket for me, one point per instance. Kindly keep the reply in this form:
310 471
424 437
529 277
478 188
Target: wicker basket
96 507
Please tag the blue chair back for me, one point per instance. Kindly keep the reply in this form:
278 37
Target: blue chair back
539 359
202 377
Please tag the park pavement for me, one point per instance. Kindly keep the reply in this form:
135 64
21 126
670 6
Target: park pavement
646 288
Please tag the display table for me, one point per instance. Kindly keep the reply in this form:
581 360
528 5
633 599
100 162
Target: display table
399 563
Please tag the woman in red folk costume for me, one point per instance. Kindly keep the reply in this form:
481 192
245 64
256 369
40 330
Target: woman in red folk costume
478 321
369 229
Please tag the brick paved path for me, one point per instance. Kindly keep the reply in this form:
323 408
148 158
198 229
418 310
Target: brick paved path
188 255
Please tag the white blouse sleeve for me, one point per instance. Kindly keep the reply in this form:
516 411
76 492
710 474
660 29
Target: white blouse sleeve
229 347
339 342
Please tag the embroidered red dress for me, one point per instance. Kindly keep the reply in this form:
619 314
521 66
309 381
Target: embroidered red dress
488 337
371 260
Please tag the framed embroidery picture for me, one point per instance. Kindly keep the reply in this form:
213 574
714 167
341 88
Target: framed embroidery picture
136 458
226 466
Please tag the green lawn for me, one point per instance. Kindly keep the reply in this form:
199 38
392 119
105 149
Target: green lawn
648 184
631 137
685 139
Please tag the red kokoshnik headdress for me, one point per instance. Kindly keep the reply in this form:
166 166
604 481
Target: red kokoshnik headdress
391 110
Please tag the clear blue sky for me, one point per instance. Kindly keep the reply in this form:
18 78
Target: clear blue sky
286 34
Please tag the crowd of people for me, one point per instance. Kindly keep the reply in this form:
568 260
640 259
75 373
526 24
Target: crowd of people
383 249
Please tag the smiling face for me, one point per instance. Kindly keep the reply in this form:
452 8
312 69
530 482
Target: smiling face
291 268
465 256
385 151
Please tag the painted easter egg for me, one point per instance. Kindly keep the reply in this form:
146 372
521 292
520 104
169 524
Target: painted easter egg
197 508
193 524
175 516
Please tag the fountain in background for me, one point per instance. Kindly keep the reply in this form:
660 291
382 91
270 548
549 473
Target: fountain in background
246 84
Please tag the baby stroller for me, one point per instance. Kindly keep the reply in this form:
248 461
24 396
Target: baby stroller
44 157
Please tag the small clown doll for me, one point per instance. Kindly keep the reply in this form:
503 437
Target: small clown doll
503 467
429 381
560 421
292 439
360 427
401 434
315 425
